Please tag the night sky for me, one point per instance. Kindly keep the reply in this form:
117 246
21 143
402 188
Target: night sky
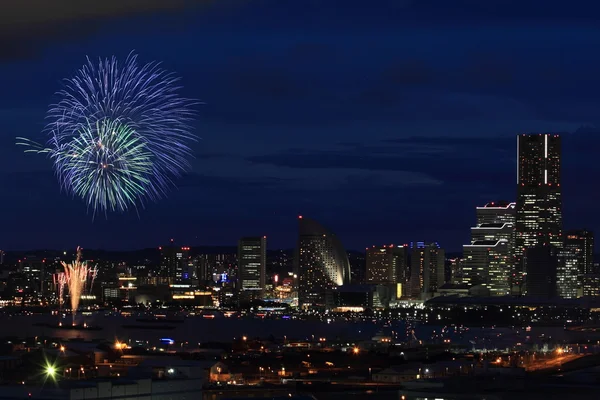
387 121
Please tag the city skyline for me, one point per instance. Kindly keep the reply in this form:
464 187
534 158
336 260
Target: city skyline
299 199
351 125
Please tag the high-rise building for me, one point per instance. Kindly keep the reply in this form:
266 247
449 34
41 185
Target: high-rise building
321 262
252 265
175 262
427 269
456 270
576 261
591 285
496 212
217 267
486 262
488 259
568 278
387 264
542 264
582 242
539 200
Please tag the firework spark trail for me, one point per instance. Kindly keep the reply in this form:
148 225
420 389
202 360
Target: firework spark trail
60 280
108 165
93 276
119 135
76 275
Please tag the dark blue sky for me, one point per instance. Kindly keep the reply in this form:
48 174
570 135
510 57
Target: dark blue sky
388 121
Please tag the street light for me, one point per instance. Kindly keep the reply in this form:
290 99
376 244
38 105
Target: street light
50 371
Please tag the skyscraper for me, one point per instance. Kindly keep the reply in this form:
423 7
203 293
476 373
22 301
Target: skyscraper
496 212
174 262
387 264
488 259
539 200
427 269
456 270
582 242
321 262
575 263
486 262
542 264
215 267
252 261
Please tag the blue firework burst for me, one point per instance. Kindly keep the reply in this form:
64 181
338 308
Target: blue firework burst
119 135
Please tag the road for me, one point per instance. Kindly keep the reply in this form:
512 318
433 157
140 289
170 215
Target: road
553 363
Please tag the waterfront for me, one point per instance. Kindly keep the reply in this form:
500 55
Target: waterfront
198 329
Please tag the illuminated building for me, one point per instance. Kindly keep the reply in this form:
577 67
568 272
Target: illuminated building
321 262
590 285
456 270
387 264
539 200
488 259
582 242
353 298
496 212
185 294
220 264
576 261
252 262
175 262
486 262
426 269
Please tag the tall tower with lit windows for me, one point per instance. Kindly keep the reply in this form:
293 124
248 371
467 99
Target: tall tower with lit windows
539 200
252 261
321 262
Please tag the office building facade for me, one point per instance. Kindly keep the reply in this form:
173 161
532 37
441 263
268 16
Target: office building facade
539 200
321 263
427 269
542 266
575 262
488 259
252 265
175 262
387 264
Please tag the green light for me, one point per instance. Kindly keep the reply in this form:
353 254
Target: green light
51 371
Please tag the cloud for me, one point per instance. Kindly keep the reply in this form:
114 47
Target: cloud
435 160
18 15
310 177
27 25
224 182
